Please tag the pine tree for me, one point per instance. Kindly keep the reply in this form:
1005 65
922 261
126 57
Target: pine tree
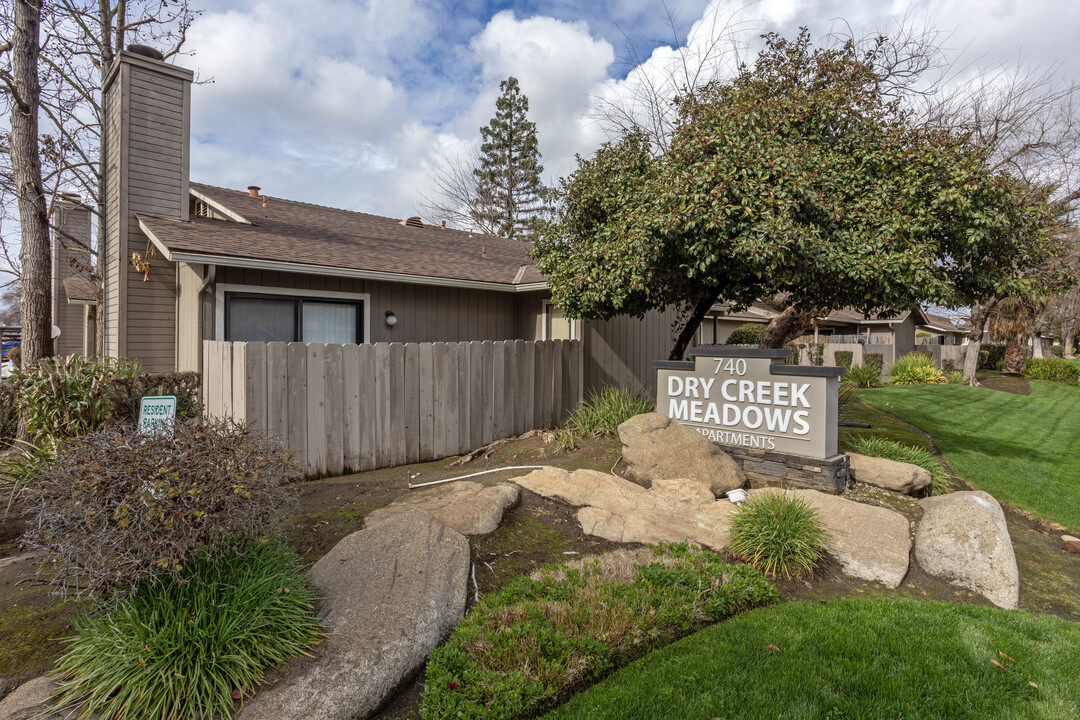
508 175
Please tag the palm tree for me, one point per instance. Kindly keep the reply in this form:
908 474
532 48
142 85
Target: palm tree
1013 322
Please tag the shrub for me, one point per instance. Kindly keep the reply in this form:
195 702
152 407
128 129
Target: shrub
1055 369
539 639
891 450
9 414
915 368
816 351
604 411
843 358
923 334
990 356
778 533
180 649
948 366
795 350
115 506
955 377
875 359
748 334
1057 351
864 376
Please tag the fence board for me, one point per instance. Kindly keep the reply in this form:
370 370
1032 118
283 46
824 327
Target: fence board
441 380
383 457
487 352
351 409
517 364
412 403
397 403
212 381
556 382
575 377
367 417
453 400
567 382
277 390
297 375
225 358
545 389
528 386
498 390
427 401
465 400
335 409
254 379
476 394
316 407
239 387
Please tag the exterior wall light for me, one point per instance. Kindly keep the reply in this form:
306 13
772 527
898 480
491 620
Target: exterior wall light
391 318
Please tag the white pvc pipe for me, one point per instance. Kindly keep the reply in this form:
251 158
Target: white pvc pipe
482 472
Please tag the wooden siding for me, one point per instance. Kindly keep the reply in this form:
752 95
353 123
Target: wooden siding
147 146
188 346
621 351
340 408
72 223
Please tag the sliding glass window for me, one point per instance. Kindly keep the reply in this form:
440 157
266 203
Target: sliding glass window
278 318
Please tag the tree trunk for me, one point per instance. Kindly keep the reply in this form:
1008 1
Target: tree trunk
1067 340
1014 360
35 303
979 315
786 326
704 304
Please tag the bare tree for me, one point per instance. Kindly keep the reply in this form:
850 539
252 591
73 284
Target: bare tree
9 304
458 199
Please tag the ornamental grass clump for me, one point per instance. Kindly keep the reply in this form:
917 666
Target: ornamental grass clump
604 411
892 450
1054 369
862 375
179 648
540 639
917 368
115 507
779 534
746 334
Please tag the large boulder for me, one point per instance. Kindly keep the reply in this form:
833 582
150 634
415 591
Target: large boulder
899 477
468 507
656 447
393 592
28 701
870 542
964 539
674 510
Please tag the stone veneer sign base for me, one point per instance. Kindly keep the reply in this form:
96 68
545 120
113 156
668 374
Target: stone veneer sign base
779 422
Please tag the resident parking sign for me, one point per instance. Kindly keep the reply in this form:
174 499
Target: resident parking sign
156 414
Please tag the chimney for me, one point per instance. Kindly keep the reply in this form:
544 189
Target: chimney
443 224
146 125
253 190
70 243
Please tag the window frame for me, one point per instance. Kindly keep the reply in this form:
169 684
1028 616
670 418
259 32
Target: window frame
545 317
225 291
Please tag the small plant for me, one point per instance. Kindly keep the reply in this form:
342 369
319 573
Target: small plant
604 411
541 638
955 377
9 414
1055 369
19 472
564 439
748 334
115 507
779 534
891 450
922 334
178 650
862 376
990 356
948 366
843 358
1057 351
795 350
875 359
917 368
816 352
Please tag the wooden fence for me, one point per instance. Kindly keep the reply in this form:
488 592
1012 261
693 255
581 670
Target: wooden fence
344 408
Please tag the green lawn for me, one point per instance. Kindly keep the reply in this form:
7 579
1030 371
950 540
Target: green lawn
852 658
1024 450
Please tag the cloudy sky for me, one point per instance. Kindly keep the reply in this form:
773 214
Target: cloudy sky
350 103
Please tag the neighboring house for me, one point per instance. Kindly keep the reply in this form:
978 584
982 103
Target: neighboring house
187 262
74 301
945 330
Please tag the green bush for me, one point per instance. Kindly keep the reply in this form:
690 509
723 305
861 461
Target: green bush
917 368
955 377
1055 369
875 359
816 351
9 414
891 450
115 507
748 334
948 366
779 534
63 397
843 358
1057 351
178 650
863 376
604 411
923 334
794 349
991 357
540 639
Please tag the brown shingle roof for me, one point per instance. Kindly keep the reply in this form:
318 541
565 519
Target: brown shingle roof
79 290
288 231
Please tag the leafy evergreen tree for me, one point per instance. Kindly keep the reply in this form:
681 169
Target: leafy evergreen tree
508 175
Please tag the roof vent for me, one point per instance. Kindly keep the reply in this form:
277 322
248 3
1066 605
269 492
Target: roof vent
253 190
414 221
146 51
